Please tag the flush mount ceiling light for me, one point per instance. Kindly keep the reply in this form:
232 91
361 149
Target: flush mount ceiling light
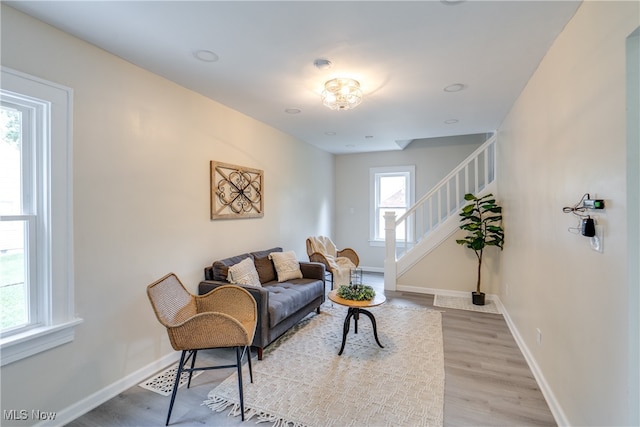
322 64
456 87
342 94
206 55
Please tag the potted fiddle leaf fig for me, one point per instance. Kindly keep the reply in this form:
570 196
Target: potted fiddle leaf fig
481 218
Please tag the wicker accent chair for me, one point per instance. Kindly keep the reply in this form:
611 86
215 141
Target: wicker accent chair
224 317
315 256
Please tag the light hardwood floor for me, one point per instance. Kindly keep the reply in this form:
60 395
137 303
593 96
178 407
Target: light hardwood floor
487 380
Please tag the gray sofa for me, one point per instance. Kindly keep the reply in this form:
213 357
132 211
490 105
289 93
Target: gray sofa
280 305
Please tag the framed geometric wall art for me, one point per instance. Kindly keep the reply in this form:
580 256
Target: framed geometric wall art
236 191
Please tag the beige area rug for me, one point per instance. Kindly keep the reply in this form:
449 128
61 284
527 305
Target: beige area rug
162 383
464 303
302 381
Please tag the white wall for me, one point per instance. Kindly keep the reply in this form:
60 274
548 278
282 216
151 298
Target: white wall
142 147
141 152
433 158
565 136
452 267
633 219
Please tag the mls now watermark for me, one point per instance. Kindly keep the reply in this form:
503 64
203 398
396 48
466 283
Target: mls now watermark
24 415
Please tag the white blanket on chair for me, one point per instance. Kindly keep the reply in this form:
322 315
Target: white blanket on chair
340 267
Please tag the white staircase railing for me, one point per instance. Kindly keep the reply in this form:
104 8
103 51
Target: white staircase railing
435 214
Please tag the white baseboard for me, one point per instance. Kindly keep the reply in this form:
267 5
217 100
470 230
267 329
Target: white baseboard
555 408
372 269
85 405
444 292
554 405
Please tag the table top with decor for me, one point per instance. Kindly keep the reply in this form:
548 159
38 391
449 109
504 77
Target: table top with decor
379 299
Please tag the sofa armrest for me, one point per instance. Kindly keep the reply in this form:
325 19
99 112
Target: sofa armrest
312 270
261 296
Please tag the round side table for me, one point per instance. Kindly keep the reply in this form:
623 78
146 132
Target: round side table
355 309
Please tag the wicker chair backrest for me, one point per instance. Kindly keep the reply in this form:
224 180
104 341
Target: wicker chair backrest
172 303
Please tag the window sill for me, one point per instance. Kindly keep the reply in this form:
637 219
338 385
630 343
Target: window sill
34 341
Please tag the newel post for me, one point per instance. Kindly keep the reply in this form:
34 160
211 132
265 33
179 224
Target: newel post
390 251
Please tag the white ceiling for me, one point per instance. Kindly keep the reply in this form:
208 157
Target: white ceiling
403 53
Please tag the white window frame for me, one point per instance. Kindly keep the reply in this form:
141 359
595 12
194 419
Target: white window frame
375 173
35 120
54 312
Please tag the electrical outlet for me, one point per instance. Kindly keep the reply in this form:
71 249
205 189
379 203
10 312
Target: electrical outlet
506 289
538 336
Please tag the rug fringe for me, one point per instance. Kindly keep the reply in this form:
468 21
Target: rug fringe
277 421
218 404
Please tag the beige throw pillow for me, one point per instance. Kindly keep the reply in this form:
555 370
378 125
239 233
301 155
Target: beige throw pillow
287 265
244 273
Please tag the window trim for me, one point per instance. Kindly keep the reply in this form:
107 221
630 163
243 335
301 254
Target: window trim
58 320
374 172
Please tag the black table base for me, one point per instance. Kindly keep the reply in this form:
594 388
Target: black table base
355 313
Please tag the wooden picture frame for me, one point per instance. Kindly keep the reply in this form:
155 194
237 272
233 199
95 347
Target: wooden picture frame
236 191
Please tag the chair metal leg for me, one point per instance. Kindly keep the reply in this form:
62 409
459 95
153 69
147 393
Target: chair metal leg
193 362
249 360
239 363
175 384
191 354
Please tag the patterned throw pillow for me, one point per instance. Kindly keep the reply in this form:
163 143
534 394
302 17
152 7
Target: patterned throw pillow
287 265
244 273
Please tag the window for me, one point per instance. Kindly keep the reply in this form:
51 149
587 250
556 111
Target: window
392 189
19 223
36 274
